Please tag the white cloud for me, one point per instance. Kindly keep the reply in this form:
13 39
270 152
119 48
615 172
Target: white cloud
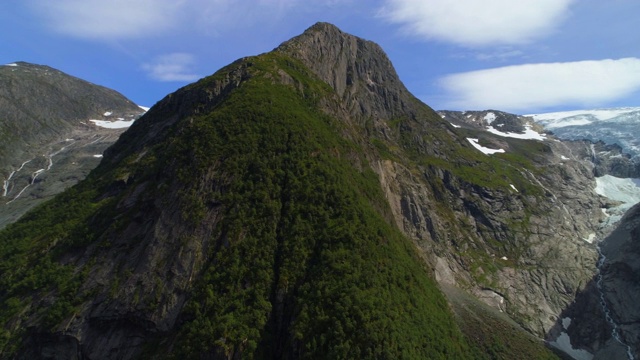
108 20
535 86
127 19
500 55
172 67
477 22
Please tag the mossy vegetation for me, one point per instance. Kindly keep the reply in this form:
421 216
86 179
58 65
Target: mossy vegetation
491 334
30 266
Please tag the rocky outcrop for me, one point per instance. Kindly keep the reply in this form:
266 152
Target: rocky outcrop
503 121
607 159
358 70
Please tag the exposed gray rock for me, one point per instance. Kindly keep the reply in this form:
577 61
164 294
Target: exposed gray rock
607 159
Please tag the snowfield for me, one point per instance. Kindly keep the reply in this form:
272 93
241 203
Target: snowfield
119 124
529 134
484 150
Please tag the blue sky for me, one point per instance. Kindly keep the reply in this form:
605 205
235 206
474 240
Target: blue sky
525 56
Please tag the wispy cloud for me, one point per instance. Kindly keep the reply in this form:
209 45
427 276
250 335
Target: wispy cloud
136 19
500 55
536 86
108 20
172 67
477 22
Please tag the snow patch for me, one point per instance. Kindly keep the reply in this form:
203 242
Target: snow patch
513 187
454 125
563 342
12 64
528 134
97 155
504 258
145 108
590 238
483 149
119 124
108 113
564 157
489 118
624 190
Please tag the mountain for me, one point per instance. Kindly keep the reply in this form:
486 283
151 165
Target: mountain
303 204
47 141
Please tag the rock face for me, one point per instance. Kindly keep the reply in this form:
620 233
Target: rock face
254 214
605 317
358 70
47 142
607 159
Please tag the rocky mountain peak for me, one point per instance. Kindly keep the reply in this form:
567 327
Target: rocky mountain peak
357 69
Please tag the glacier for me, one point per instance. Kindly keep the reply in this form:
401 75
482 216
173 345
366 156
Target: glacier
613 126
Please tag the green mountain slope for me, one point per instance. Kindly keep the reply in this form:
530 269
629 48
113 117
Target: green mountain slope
239 218
299 262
